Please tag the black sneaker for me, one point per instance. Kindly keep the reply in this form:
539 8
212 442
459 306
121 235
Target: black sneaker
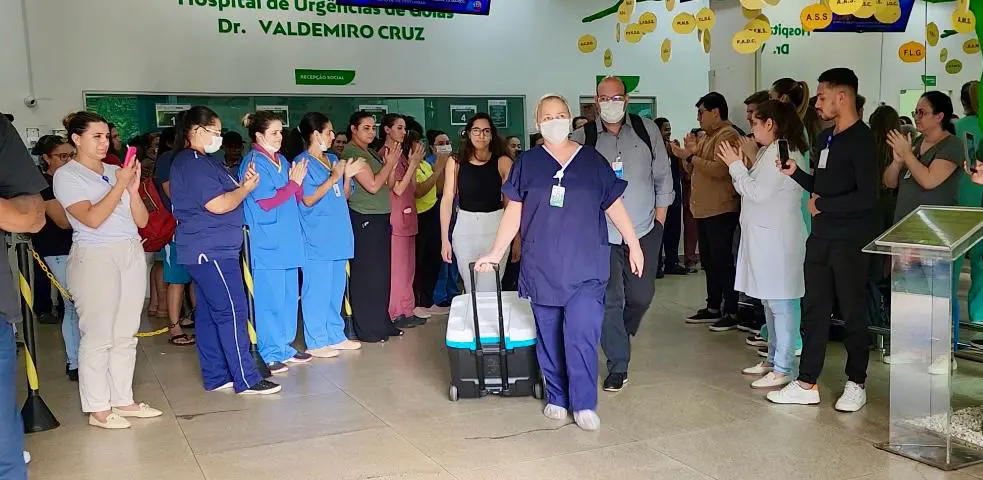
264 387
404 322
418 320
277 367
728 322
704 315
660 273
756 341
299 357
73 373
615 382
395 331
676 270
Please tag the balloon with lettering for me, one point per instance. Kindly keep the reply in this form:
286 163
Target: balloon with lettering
866 9
633 34
666 50
971 46
845 7
944 55
684 23
753 4
705 19
815 17
911 52
648 22
587 44
745 42
963 22
887 11
932 34
608 58
953 67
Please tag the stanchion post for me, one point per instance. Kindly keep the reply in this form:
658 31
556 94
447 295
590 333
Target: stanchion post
36 415
247 277
346 308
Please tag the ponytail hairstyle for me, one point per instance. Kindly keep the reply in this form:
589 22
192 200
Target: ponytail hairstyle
311 122
77 123
884 120
941 103
788 126
970 97
796 91
256 123
196 116
47 144
388 120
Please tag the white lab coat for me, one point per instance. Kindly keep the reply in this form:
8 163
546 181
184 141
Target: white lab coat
773 233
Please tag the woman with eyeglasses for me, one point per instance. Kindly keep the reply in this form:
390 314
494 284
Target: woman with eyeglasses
207 203
559 195
54 242
107 271
276 243
474 179
370 210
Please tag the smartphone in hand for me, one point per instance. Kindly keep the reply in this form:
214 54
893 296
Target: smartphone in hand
783 152
131 154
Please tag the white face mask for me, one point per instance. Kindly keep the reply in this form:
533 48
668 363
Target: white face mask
324 146
612 111
555 131
442 149
214 146
269 148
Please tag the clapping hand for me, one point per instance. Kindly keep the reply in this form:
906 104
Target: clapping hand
392 154
354 167
728 154
298 171
251 179
749 147
417 154
900 145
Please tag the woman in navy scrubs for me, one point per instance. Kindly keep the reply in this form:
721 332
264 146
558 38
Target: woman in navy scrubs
556 192
207 203
328 239
276 242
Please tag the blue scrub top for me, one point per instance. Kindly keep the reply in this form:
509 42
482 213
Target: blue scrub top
327 226
197 179
563 248
275 236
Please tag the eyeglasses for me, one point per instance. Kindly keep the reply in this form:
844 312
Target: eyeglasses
616 98
921 113
213 132
63 156
478 132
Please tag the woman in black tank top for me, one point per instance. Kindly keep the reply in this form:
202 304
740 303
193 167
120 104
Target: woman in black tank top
475 177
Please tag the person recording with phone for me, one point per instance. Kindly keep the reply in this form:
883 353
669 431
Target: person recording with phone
107 269
207 203
772 244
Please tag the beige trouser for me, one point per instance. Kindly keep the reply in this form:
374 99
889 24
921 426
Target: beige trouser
474 234
108 283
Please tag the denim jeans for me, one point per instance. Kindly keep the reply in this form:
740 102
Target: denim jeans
782 317
70 321
11 426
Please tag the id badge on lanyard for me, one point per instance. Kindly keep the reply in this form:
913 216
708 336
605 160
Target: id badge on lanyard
559 192
619 168
824 155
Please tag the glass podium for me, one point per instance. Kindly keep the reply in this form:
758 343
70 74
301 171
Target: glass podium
923 246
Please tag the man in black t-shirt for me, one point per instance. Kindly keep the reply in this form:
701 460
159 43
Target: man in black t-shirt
21 211
844 219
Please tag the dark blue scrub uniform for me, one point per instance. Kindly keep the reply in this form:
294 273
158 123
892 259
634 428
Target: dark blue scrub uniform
208 246
277 248
328 245
565 264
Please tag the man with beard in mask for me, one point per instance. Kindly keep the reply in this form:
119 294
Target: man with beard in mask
632 145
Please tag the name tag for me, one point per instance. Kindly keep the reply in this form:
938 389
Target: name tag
619 169
556 196
337 190
823 158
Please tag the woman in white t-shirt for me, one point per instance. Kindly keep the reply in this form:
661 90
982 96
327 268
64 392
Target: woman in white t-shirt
107 271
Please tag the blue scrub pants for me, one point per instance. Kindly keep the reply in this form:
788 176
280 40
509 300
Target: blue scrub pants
220 325
275 298
11 426
321 300
567 347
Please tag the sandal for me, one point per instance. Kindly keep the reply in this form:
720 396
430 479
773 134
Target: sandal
191 321
181 340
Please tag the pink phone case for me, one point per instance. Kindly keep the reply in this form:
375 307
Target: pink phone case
131 154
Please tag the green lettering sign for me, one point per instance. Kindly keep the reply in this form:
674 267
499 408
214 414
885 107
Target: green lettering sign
323 77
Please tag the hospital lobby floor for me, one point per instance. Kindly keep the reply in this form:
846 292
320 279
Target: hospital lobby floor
383 413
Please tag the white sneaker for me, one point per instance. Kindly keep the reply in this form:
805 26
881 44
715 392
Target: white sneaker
771 380
224 386
760 369
942 367
854 398
555 412
794 394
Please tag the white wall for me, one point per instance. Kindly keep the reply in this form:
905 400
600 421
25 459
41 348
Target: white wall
524 47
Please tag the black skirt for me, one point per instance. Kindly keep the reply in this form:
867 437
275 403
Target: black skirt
369 280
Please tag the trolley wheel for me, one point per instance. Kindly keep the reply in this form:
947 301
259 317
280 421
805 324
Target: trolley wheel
537 391
452 393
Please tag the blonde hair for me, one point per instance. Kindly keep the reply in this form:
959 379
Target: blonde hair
548 97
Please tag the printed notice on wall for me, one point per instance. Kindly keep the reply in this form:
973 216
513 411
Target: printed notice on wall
281 111
498 110
460 114
377 111
167 114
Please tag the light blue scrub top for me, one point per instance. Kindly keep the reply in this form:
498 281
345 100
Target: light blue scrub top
275 235
327 226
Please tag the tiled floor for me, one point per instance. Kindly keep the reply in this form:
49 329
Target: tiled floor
382 413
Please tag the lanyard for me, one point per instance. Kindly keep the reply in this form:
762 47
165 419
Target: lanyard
829 141
563 168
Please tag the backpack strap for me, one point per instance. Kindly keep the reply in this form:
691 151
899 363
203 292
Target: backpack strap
639 127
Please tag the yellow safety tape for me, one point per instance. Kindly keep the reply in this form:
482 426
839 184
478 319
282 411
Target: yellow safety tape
248 277
25 291
153 333
348 305
32 372
252 332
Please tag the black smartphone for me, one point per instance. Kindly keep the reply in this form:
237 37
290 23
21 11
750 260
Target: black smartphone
783 152
696 131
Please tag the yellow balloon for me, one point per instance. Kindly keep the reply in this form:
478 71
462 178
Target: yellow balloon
670 4
749 14
648 22
971 46
745 42
684 23
608 58
772 2
944 55
706 41
815 17
753 4
633 34
705 19
911 52
932 34
962 5
953 67
760 28
666 51
963 22
624 12
845 7
866 10
617 32
887 11
587 44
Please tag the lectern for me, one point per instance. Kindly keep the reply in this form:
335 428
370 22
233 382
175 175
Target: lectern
923 246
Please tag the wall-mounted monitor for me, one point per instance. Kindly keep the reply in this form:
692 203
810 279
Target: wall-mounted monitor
849 23
465 7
